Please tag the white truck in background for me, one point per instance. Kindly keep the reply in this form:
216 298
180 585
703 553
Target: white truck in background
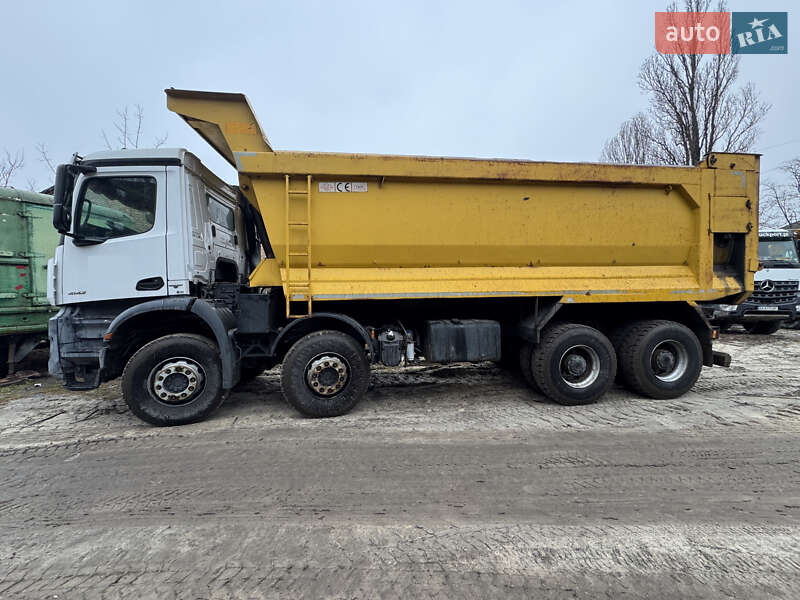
776 298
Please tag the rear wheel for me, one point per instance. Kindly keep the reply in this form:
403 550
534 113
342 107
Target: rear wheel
763 327
660 359
573 364
174 380
325 374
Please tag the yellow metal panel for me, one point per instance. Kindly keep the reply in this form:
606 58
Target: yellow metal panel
226 121
731 214
731 183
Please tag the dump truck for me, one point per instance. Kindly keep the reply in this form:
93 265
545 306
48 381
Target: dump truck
327 263
27 241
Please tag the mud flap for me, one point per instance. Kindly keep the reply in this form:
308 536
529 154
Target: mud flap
721 359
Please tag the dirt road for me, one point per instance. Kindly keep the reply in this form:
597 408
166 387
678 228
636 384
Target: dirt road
447 482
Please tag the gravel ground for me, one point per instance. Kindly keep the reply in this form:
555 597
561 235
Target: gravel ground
446 482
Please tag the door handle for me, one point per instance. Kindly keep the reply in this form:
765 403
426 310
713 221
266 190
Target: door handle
213 231
149 284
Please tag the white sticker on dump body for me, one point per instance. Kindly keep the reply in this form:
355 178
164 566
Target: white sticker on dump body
342 186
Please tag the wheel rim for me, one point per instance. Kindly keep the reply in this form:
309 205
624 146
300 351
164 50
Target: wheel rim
669 360
176 380
579 366
327 374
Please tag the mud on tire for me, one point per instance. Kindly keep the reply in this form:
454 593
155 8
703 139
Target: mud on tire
174 380
325 374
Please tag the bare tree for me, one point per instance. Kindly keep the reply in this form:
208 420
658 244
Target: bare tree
44 156
695 107
633 144
780 202
129 129
9 165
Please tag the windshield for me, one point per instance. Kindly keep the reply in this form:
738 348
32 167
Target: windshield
111 207
777 251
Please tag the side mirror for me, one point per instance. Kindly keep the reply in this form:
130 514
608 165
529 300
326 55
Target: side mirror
62 198
62 194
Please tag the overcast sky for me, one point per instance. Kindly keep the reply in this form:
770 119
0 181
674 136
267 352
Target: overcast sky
531 80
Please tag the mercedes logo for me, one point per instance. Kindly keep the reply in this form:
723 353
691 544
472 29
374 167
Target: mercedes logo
766 286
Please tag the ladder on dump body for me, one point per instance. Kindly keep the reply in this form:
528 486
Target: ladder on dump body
298 226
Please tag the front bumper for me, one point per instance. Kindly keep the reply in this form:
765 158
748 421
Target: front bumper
751 312
75 344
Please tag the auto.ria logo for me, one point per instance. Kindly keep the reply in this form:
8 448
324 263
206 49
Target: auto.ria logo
759 33
722 33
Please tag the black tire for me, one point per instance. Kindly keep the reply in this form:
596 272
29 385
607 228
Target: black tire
181 356
568 345
617 337
348 364
763 327
642 348
525 366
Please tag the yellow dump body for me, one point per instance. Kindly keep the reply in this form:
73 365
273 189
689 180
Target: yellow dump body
353 226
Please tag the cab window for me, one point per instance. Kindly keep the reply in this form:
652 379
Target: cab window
112 207
220 214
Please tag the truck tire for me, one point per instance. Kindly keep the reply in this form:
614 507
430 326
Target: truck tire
325 374
573 364
617 337
525 366
763 327
660 359
174 380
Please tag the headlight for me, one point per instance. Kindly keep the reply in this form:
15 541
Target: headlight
728 307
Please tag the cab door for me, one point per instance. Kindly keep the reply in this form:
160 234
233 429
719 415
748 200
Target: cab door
222 232
118 245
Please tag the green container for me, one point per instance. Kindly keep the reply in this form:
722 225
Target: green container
27 241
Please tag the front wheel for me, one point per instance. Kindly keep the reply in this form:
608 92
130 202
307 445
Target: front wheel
325 374
174 380
573 364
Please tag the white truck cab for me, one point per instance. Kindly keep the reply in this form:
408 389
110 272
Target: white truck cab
153 223
150 239
776 297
